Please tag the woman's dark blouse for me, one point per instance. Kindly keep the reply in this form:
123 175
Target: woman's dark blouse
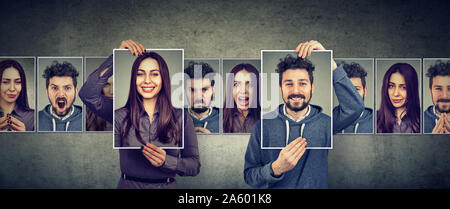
184 162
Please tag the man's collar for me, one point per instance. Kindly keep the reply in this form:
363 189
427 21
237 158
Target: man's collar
195 116
65 117
301 118
435 113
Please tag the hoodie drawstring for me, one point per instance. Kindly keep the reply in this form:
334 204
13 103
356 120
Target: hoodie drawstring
204 125
301 130
356 127
287 131
54 125
357 124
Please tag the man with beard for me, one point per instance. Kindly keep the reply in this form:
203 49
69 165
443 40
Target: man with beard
350 116
293 125
61 88
436 117
200 91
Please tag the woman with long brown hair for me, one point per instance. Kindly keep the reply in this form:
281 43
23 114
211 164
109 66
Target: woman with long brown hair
241 107
15 113
149 120
399 111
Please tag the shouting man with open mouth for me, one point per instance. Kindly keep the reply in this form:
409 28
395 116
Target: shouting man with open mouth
61 114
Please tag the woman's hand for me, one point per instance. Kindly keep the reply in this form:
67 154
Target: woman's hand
154 154
135 47
12 122
16 124
3 123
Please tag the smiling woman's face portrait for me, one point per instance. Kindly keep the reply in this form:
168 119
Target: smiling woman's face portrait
148 79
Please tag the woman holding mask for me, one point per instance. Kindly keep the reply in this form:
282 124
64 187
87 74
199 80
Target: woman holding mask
149 120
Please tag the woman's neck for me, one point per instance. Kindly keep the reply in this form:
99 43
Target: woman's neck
149 107
400 113
243 113
7 107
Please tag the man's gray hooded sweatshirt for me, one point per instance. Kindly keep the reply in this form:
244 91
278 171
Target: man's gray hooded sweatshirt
429 120
350 116
211 122
311 170
49 122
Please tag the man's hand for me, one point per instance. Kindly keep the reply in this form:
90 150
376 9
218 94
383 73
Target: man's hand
289 156
438 127
135 47
446 123
443 125
304 49
154 154
202 130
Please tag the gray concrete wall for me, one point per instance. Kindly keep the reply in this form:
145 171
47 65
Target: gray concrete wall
224 29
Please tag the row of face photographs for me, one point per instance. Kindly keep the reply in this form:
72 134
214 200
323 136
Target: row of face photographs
397 78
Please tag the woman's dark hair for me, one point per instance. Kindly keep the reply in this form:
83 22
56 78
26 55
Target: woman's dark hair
168 127
386 116
93 122
230 106
22 100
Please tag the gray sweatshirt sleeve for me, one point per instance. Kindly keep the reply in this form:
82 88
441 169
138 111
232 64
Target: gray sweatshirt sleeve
257 173
188 163
351 104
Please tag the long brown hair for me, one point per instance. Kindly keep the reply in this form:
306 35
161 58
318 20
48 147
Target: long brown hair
93 122
22 100
168 127
230 107
386 113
